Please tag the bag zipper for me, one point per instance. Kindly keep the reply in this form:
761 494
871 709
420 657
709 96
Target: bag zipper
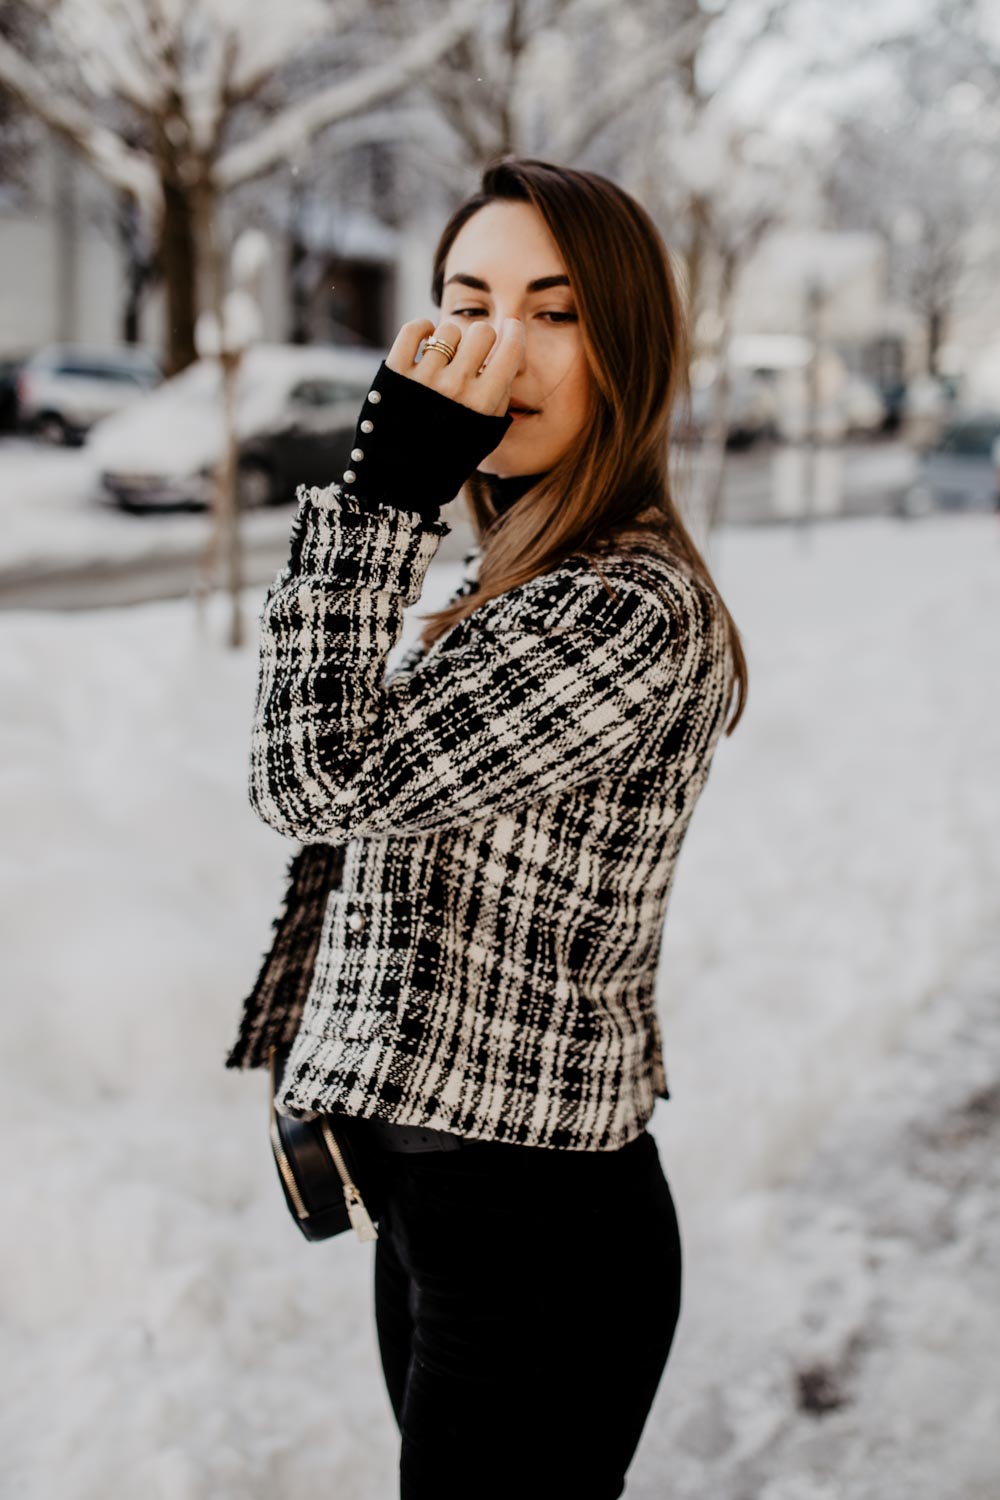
288 1176
356 1211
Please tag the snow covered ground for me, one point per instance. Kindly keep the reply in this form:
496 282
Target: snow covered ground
54 519
63 545
830 987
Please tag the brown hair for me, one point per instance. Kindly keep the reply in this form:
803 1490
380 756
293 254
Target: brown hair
613 486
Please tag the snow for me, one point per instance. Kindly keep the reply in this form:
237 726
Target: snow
242 324
250 254
122 166
829 1005
53 523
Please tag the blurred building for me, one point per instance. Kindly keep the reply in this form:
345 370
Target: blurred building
832 287
67 253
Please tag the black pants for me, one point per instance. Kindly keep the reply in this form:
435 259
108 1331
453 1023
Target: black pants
525 1302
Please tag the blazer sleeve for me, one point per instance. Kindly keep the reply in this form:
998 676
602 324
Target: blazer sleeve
542 694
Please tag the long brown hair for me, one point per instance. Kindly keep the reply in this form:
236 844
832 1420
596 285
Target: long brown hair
613 486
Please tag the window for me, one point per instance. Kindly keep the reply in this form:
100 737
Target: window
94 370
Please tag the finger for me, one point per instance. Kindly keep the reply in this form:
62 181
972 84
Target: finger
432 361
402 355
477 341
505 360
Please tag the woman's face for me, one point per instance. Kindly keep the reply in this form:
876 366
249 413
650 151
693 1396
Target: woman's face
492 272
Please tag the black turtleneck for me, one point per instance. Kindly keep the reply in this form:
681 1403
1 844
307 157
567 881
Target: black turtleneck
504 492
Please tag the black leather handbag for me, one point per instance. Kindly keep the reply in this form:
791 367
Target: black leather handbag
330 1175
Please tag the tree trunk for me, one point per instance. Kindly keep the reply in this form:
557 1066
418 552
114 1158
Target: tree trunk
178 264
138 270
694 266
814 322
298 266
715 447
67 219
225 543
935 338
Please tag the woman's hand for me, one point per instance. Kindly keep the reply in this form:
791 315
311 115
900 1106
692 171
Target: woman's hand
481 374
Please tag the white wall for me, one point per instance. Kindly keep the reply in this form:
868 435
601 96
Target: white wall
35 306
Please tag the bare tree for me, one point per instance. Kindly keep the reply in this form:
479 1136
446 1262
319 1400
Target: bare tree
626 89
925 174
178 75
17 129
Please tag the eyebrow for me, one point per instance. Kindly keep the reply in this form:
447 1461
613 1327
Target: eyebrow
542 283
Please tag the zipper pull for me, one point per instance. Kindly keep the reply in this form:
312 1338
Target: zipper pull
358 1214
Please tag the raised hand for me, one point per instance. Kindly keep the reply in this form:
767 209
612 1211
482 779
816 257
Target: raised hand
484 367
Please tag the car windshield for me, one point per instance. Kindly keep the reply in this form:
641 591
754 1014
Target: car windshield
96 367
326 392
104 372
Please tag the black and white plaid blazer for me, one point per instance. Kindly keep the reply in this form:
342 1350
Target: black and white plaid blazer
469 937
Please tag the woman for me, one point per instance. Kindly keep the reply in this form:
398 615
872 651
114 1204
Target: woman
467 963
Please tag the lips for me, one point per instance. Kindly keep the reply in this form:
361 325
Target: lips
518 409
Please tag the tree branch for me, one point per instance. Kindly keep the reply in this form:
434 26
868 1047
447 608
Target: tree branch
285 135
121 165
625 89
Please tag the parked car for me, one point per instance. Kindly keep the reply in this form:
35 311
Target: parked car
62 390
961 471
296 414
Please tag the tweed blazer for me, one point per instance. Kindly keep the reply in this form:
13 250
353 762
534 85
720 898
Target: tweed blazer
470 935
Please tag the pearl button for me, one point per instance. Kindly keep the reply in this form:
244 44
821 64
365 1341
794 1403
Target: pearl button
357 454
356 921
367 426
350 476
374 397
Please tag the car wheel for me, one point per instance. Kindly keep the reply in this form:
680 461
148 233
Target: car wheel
254 485
51 428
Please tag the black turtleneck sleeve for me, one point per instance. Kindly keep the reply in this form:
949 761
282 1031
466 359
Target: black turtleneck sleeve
414 448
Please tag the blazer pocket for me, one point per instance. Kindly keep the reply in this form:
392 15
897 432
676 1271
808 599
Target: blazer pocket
363 965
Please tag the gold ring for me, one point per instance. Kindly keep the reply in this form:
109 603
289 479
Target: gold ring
443 347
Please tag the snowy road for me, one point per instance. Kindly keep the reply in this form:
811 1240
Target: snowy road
829 1001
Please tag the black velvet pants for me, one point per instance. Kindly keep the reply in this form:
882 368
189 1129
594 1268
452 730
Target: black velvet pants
525 1302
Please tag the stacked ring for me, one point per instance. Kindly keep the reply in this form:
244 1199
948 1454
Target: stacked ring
443 347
